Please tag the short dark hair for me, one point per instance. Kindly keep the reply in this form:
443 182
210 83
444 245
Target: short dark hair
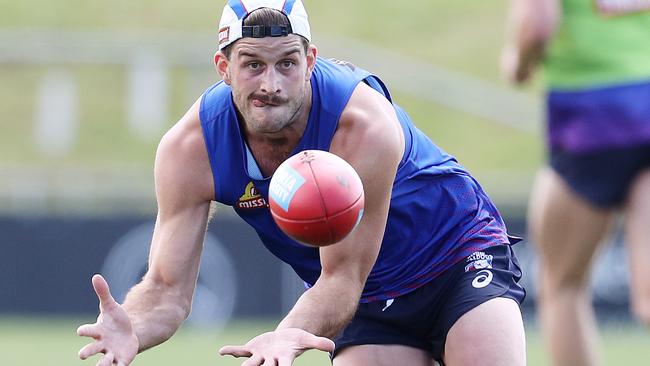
265 17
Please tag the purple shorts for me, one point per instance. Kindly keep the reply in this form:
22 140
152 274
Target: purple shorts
422 318
599 118
599 139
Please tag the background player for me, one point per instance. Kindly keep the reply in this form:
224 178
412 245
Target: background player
427 274
595 56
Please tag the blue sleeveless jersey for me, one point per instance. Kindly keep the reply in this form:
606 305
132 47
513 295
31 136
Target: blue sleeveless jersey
438 214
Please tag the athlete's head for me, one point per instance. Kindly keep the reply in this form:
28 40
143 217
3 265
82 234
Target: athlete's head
265 56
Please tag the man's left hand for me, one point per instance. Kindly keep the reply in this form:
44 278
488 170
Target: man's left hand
278 348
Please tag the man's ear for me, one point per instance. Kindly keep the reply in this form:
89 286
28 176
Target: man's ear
312 53
221 64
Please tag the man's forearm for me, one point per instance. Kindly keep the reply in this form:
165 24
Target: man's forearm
155 312
532 24
324 309
530 42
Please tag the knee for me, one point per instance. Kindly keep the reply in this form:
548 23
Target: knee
554 282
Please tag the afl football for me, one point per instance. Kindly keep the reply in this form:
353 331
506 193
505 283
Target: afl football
316 198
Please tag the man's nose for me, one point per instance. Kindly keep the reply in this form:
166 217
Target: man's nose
270 82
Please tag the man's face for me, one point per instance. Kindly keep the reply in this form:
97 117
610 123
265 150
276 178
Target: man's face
269 79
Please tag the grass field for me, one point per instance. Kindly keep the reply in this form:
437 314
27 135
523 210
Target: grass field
445 32
52 342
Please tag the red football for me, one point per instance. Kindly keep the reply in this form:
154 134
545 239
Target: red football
316 197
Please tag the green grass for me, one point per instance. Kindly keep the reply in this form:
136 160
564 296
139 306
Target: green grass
122 14
53 342
460 35
481 147
103 134
447 32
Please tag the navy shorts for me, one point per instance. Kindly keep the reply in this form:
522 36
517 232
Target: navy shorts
601 177
422 318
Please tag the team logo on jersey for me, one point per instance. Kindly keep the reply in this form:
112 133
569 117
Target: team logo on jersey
478 260
251 198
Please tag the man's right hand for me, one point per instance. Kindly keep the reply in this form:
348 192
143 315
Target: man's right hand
112 333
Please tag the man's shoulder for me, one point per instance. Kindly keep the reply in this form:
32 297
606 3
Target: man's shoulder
218 91
215 100
333 67
335 82
182 157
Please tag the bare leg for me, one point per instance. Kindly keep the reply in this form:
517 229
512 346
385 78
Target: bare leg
383 355
490 334
567 231
637 230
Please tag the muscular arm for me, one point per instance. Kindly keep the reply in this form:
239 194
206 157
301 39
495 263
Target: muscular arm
531 24
370 138
159 304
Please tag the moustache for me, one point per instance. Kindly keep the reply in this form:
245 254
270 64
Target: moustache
268 99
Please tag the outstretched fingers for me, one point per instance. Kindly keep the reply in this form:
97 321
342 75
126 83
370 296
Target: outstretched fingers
270 362
88 330
285 361
107 360
106 300
255 360
235 351
90 350
310 341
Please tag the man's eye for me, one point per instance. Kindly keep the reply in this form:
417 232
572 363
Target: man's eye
254 65
287 64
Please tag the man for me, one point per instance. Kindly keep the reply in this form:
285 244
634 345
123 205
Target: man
427 274
595 56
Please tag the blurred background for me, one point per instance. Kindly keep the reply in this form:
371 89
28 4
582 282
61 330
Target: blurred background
87 88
